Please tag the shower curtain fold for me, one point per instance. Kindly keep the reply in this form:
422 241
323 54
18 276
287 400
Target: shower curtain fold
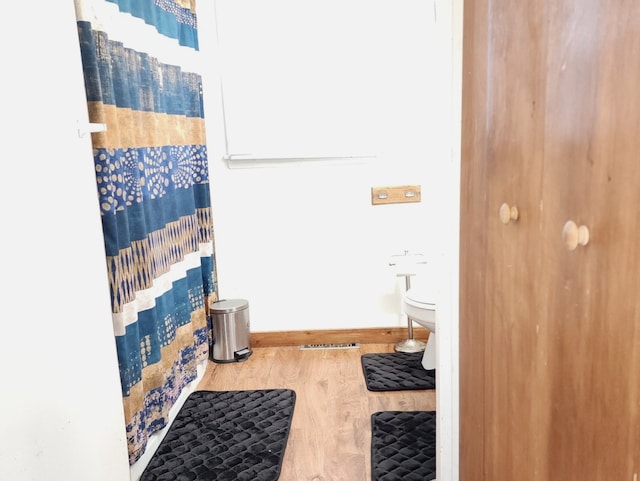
152 183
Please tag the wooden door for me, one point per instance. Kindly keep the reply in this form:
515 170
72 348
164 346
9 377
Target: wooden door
550 338
504 86
592 177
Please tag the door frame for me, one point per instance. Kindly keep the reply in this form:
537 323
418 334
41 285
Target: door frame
449 18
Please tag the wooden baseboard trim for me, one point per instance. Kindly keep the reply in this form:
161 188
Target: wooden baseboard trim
384 335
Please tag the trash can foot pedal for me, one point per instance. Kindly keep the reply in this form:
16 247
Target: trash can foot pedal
242 354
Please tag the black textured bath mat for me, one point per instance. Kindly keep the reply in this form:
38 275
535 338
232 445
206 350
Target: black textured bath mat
396 371
403 446
225 436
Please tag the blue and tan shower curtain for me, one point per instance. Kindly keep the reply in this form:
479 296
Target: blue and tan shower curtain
142 77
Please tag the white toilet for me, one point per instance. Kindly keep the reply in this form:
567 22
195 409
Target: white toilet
419 305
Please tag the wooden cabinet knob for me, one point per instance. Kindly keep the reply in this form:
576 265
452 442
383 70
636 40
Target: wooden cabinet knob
574 235
508 214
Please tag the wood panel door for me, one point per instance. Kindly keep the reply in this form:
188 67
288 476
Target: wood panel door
503 85
550 337
592 177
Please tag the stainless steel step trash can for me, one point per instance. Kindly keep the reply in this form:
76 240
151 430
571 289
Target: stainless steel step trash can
231 330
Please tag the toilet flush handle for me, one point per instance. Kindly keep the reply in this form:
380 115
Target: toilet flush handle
508 213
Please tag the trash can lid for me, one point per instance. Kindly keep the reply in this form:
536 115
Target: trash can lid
228 305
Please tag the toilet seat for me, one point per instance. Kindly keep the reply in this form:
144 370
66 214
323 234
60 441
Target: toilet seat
419 298
419 308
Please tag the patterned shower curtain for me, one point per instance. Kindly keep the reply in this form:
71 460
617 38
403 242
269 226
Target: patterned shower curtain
141 64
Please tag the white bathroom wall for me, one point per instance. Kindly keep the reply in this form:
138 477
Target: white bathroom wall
302 241
61 415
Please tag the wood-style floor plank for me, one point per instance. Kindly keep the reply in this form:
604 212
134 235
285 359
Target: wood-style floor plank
330 438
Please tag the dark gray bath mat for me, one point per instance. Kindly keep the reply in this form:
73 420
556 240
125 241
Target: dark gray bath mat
396 371
225 436
403 446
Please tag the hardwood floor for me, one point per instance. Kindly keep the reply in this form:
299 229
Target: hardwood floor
330 438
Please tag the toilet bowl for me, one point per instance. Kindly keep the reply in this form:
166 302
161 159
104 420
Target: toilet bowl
419 306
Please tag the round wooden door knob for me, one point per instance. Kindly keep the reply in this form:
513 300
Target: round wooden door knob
574 235
508 213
